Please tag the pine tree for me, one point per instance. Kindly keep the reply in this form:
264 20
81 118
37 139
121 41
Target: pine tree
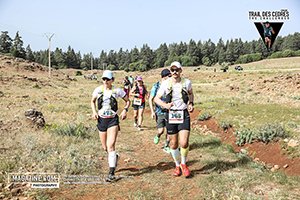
29 54
59 58
5 42
161 55
17 49
147 57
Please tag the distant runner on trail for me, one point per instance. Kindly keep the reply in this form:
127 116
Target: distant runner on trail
126 85
108 121
179 102
131 80
159 113
139 93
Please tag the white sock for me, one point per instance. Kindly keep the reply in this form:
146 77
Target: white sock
112 159
176 156
183 159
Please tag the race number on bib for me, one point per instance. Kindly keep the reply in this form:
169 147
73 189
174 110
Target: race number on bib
137 101
107 114
175 116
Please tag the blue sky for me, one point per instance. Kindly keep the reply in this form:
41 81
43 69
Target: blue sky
95 25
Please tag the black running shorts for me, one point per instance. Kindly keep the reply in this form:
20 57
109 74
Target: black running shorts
105 123
175 128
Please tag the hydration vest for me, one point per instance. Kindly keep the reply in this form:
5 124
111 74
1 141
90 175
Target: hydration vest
137 90
184 92
113 102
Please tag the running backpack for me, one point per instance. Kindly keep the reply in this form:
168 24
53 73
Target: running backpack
137 91
113 101
184 92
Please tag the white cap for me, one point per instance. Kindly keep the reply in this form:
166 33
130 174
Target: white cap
107 74
176 64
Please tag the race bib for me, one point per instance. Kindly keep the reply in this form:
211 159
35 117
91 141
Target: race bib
107 113
175 116
137 101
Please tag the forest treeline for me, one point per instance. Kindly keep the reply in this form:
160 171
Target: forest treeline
192 53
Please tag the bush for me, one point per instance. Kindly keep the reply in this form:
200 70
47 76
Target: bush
244 136
112 67
225 66
225 125
78 73
77 130
265 133
288 53
249 58
204 116
270 132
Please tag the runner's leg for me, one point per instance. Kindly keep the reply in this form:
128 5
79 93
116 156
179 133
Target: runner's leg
103 136
112 133
140 116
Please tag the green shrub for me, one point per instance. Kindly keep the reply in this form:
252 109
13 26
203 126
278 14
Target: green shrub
244 136
249 58
78 73
77 130
288 53
265 133
204 116
225 125
269 132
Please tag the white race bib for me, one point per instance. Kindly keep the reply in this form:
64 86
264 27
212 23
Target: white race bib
175 116
137 101
106 112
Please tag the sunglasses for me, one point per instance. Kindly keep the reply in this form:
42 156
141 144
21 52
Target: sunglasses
175 70
106 79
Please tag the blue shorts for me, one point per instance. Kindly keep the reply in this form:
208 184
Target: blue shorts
136 107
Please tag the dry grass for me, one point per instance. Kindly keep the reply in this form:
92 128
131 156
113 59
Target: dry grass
218 172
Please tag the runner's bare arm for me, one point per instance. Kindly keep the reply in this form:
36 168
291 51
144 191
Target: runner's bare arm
151 98
191 100
124 112
93 106
132 92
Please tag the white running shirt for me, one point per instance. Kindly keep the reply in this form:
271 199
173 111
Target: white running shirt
176 87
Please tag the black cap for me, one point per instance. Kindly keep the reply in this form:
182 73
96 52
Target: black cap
165 72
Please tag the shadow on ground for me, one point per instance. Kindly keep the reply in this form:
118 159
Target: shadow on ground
220 166
210 143
161 166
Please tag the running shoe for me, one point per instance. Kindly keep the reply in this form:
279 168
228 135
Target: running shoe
156 140
185 170
110 178
167 150
139 128
177 171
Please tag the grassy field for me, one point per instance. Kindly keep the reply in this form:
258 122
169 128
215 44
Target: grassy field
265 92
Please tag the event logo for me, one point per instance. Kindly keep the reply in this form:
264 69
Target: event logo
268 24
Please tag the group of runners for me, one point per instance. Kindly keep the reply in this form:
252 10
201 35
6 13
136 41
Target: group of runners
170 101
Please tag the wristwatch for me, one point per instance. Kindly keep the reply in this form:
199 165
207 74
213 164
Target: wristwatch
126 109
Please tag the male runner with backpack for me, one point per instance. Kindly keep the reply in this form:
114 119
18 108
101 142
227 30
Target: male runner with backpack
159 113
179 102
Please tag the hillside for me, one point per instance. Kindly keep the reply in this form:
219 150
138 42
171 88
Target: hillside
264 92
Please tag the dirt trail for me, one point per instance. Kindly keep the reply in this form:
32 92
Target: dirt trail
143 166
